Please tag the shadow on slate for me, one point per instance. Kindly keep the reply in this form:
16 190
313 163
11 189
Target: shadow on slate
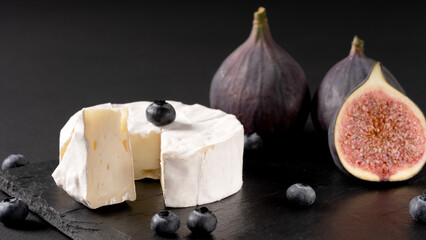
26 225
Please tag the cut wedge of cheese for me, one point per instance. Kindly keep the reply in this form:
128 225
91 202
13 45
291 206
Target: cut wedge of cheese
198 158
96 164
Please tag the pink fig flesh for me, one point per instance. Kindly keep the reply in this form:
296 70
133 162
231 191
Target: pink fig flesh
380 134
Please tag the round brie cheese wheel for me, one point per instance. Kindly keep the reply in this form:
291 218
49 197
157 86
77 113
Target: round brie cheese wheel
198 157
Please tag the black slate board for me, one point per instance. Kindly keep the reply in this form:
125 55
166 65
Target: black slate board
128 220
346 208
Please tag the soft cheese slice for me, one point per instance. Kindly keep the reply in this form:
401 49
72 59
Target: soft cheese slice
201 155
96 164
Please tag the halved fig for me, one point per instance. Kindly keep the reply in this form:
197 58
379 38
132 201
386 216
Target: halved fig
378 134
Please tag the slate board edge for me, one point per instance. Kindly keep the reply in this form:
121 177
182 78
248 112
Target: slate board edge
8 183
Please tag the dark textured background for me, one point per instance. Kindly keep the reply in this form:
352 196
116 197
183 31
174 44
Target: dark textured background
59 56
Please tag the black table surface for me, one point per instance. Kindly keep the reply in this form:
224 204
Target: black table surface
57 57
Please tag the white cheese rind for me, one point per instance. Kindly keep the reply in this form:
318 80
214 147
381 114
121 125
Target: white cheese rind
71 173
96 166
221 170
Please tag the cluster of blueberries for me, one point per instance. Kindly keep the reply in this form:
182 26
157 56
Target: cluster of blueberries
201 221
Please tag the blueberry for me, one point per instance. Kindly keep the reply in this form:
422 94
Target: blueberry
253 142
13 209
160 113
14 160
301 194
201 221
418 208
165 222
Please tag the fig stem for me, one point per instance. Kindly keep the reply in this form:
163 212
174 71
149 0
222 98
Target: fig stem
260 29
260 16
357 44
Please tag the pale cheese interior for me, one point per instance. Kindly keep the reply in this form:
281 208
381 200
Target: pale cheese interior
109 157
146 155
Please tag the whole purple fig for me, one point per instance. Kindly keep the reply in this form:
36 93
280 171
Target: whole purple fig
261 84
340 80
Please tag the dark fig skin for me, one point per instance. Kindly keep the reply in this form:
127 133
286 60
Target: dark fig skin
332 146
262 85
340 80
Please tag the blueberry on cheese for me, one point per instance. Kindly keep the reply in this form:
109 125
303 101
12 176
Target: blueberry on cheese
160 113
